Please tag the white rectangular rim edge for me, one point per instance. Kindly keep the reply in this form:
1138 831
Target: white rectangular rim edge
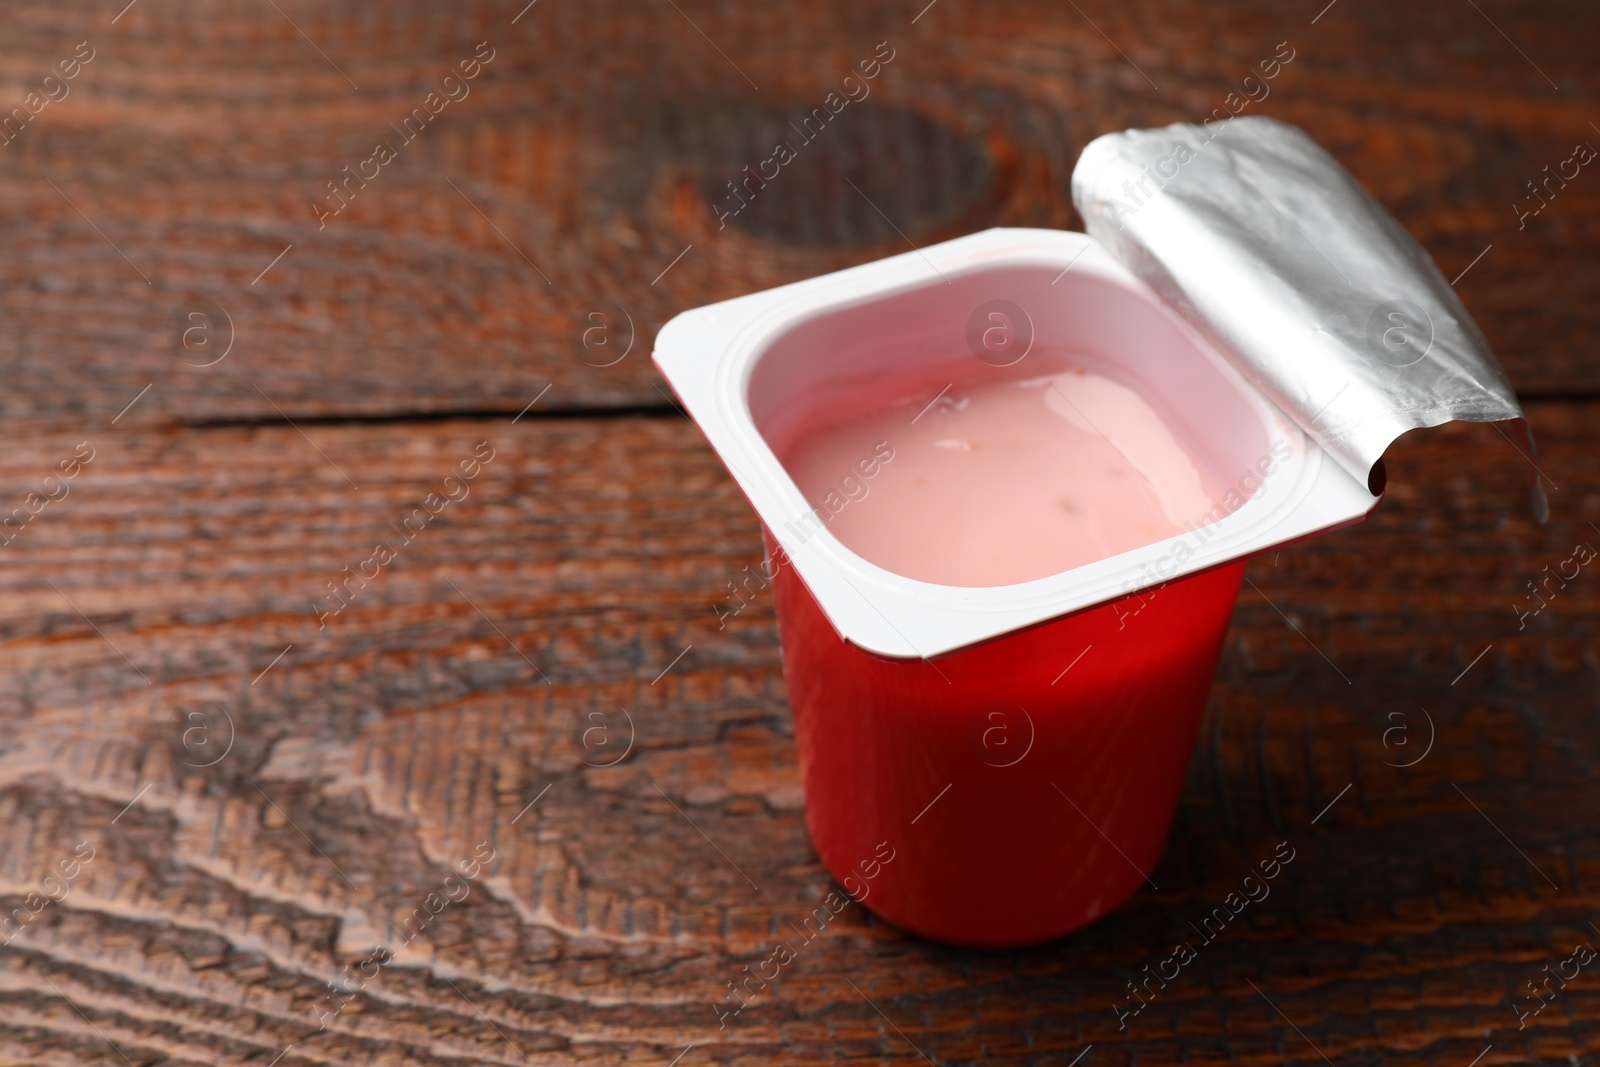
708 353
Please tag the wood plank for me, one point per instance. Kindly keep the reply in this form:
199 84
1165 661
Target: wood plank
259 821
590 153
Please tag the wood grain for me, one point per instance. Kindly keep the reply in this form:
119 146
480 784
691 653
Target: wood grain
584 162
250 798
455 691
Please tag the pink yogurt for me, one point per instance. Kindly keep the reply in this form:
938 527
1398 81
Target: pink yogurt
1025 471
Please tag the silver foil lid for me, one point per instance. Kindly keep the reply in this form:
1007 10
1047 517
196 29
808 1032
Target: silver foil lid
1302 280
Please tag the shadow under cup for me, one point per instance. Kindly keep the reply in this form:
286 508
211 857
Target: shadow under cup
1025 784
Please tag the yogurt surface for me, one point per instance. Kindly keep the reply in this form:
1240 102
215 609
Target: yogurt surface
1004 478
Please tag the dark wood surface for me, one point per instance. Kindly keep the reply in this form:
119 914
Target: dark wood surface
266 799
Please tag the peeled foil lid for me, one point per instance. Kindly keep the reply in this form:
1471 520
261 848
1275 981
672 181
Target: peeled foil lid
1304 282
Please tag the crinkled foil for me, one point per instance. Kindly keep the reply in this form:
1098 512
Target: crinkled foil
1314 292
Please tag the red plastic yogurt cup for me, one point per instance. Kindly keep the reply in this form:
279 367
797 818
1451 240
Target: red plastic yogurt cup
1021 748
1029 782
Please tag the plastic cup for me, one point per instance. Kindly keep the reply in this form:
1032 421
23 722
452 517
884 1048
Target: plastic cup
1027 783
1021 748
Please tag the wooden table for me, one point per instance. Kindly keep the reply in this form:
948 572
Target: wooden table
234 800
